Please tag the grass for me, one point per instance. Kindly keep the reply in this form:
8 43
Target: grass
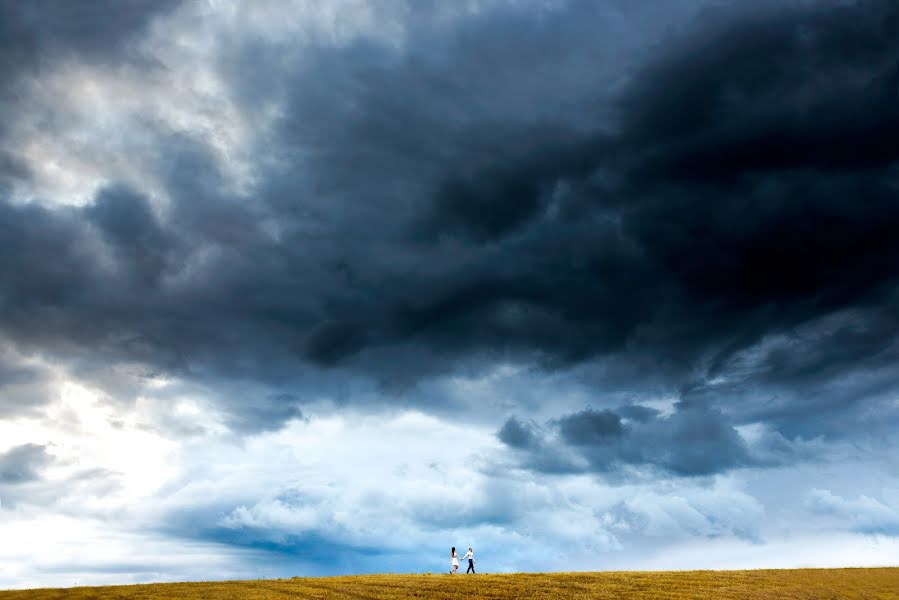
817 584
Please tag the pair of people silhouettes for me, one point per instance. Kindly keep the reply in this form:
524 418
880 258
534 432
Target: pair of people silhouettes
454 560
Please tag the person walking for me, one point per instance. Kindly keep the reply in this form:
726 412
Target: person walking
470 556
454 561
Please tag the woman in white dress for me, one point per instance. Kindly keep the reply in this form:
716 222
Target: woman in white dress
454 560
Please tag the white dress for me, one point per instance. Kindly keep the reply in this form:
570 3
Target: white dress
455 561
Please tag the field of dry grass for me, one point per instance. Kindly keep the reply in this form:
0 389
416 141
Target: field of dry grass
817 584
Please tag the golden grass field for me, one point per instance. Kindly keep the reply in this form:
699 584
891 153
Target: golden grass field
817 584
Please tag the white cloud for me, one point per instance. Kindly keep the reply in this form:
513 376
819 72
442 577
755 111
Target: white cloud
62 551
863 513
404 483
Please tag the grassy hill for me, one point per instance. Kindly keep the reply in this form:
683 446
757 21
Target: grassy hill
815 584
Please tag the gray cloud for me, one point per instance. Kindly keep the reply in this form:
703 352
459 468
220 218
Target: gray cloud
517 434
24 385
36 37
434 205
589 428
694 440
36 33
22 464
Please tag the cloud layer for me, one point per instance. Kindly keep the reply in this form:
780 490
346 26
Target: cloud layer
642 256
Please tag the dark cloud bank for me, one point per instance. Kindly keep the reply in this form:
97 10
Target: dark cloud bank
693 441
709 214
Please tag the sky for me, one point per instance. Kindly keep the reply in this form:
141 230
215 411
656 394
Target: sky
325 287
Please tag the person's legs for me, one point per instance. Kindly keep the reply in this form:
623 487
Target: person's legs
470 566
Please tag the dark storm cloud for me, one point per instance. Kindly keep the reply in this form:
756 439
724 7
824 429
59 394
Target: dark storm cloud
694 440
635 412
24 387
648 239
11 170
517 434
47 269
588 428
512 186
132 232
34 34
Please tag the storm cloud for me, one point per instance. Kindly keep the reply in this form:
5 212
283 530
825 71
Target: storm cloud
690 231
638 244
692 441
